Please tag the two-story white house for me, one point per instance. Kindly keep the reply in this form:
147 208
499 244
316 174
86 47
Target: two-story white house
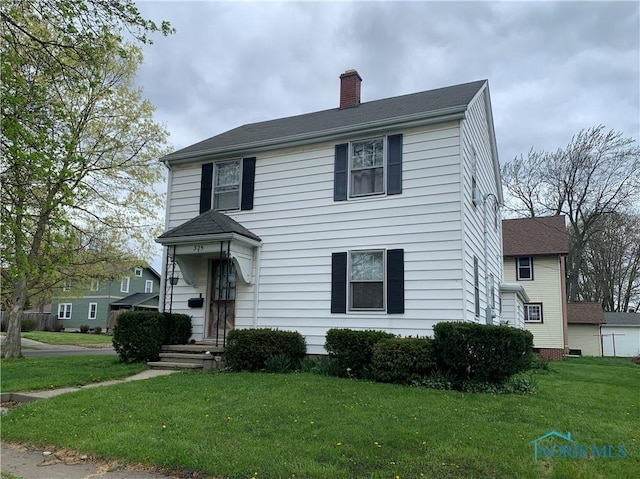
373 215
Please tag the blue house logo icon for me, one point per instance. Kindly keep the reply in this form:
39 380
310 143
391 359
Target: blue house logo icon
539 444
554 445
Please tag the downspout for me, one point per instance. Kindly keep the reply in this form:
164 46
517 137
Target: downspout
488 309
256 286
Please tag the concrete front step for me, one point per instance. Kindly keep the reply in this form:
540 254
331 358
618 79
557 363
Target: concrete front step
174 365
192 348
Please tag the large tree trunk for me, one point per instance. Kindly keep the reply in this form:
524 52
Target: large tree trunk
12 347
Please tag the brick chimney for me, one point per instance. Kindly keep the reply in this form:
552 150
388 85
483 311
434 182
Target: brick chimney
350 89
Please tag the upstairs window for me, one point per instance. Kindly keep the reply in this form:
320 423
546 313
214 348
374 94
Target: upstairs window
226 189
148 286
138 272
95 285
524 268
124 284
366 167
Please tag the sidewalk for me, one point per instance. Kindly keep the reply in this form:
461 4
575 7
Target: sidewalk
39 464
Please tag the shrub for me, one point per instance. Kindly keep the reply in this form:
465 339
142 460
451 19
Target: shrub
323 366
84 328
352 350
178 327
480 352
138 336
403 360
28 325
58 326
251 349
636 359
279 363
97 330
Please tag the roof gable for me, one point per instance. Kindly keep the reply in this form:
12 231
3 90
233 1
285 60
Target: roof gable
535 236
432 102
208 223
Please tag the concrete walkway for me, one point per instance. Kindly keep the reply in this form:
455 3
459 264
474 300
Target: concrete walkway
39 464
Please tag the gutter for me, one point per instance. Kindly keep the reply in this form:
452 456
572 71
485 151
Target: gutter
180 240
407 121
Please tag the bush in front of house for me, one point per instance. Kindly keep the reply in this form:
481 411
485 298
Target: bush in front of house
28 325
178 327
481 352
352 350
252 349
139 335
84 329
403 360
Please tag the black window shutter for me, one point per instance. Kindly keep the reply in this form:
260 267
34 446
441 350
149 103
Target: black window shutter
341 172
394 163
206 184
395 281
339 283
248 182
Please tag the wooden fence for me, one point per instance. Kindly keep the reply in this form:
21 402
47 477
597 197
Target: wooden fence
44 321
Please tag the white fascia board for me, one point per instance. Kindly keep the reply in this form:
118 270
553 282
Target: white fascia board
178 240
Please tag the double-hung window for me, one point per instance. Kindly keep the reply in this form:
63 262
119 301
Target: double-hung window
124 284
533 312
64 311
366 167
524 268
226 189
148 286
366 280
93 310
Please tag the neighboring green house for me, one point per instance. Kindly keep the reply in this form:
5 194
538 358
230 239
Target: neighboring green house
92 304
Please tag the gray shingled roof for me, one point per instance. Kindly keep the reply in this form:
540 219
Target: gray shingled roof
135 299
622 319
441 99
209 223
535 236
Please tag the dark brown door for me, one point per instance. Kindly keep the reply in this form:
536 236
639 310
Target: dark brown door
222 306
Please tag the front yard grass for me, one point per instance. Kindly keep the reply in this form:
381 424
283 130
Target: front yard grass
242 425
38 373
75 339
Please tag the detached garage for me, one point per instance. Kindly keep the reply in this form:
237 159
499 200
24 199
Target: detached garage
621 334
583 328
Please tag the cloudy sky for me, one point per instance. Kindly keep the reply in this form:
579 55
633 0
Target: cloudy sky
553 67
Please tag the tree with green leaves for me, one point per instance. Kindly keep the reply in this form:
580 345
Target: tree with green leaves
592 181
79 147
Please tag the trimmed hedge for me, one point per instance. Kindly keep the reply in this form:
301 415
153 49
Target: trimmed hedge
139 335
403 360
481 352
251 349
352 350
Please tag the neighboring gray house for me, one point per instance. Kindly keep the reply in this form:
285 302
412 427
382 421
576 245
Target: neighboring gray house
376 215
621 334
91 303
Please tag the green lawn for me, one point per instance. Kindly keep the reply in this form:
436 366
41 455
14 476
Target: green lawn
77 339
38 373
308 426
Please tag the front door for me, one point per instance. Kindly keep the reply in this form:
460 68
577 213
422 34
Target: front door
222 305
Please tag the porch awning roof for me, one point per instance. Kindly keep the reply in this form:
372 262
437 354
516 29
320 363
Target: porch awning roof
210 223
136 299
